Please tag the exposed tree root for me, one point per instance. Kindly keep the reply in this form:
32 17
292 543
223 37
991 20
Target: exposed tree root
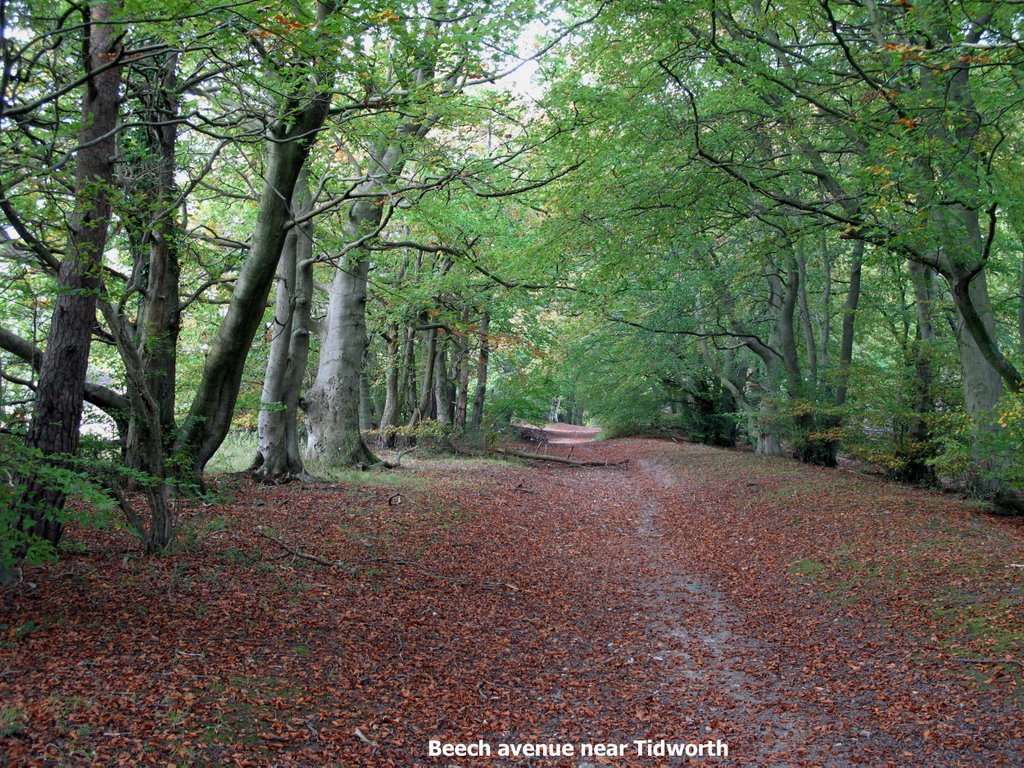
397 463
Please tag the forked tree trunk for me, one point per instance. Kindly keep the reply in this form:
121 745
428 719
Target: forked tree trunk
425 400
291 137
278 451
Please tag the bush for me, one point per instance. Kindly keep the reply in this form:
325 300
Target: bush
77 478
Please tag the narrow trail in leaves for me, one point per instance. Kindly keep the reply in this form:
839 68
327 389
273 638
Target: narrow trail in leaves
805 617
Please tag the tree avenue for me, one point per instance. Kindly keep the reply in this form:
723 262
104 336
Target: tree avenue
341 228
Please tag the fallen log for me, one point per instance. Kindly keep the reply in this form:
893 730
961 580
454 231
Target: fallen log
559 459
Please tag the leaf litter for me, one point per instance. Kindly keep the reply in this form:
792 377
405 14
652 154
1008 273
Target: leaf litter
806 617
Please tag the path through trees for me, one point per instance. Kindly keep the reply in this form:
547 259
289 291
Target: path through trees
802 615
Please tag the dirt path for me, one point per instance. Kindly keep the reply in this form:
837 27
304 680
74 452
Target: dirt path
803 617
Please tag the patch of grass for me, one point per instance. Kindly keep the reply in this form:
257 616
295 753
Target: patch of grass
807 567
69 545
12 721
235 453
373 477
237 556
243 711
469 462
192 534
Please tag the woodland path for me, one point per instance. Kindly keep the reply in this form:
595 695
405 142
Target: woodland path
803 616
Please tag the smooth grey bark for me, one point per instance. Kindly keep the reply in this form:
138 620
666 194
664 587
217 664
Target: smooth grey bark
332 416
278 451
849 323
392 364
60 392
982 382
461 365
333 404
442 387
484 354
288 145
805 316
424 402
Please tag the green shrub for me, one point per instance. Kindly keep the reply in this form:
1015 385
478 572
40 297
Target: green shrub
82 479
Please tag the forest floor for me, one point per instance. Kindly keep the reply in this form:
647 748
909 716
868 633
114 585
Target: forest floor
803 616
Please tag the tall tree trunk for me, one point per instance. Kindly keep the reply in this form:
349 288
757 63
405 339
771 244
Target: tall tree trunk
408 382
423 404
1020 304
159 319
389 414
442 387
60 391
805 316
333 417
278 454
849 323
982 386
291 137
919 448
333 403
826 296
481 370
461 382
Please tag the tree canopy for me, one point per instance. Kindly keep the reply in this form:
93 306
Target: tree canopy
795 227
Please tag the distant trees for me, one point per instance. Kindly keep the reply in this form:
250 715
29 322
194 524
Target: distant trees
822 140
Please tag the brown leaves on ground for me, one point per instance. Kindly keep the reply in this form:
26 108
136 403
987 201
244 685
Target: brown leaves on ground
805 616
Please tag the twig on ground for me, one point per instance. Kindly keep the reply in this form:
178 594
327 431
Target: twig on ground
559 459
362 737
300 554
347 565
